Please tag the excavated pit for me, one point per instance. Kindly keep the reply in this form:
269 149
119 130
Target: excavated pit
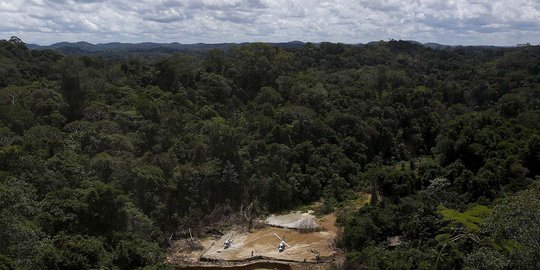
261 245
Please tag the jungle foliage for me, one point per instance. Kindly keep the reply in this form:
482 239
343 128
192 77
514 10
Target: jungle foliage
102 160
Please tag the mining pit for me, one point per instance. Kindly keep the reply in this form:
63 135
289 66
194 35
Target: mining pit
310 240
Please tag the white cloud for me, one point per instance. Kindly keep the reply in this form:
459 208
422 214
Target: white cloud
498 22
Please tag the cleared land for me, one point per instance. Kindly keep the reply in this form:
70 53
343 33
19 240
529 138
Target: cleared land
294 220
311 239
304 246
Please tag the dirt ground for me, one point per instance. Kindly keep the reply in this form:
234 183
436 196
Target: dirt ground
180 252
263 243
259 247
294 220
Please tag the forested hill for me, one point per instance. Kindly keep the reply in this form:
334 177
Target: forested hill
101 160
117 50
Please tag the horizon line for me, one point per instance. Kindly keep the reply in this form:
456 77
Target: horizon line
275 42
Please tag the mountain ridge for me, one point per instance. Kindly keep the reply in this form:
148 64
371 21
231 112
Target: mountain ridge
154 49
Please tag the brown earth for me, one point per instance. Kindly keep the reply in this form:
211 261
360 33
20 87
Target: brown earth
258 248
263 243
260 265
180 253
293 220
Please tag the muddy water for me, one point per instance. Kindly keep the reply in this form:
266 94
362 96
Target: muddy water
251 266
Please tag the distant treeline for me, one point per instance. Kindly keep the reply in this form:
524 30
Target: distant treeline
151 50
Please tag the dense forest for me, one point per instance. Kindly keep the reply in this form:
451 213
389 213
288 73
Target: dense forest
102 160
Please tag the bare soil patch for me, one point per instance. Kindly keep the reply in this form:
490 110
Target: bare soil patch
263 244
294 220
181 253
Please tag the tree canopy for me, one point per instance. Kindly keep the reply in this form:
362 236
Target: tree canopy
101 160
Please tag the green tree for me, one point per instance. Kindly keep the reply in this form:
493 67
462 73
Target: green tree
74 94
514 224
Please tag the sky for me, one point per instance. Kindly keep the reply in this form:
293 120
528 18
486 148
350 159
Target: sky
452 22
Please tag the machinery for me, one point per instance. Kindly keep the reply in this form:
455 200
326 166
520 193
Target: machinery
282 244
227 243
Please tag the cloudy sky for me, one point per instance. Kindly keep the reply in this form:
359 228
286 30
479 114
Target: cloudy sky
466 22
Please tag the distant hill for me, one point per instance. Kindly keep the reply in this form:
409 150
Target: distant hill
436 46
152 50
147 49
